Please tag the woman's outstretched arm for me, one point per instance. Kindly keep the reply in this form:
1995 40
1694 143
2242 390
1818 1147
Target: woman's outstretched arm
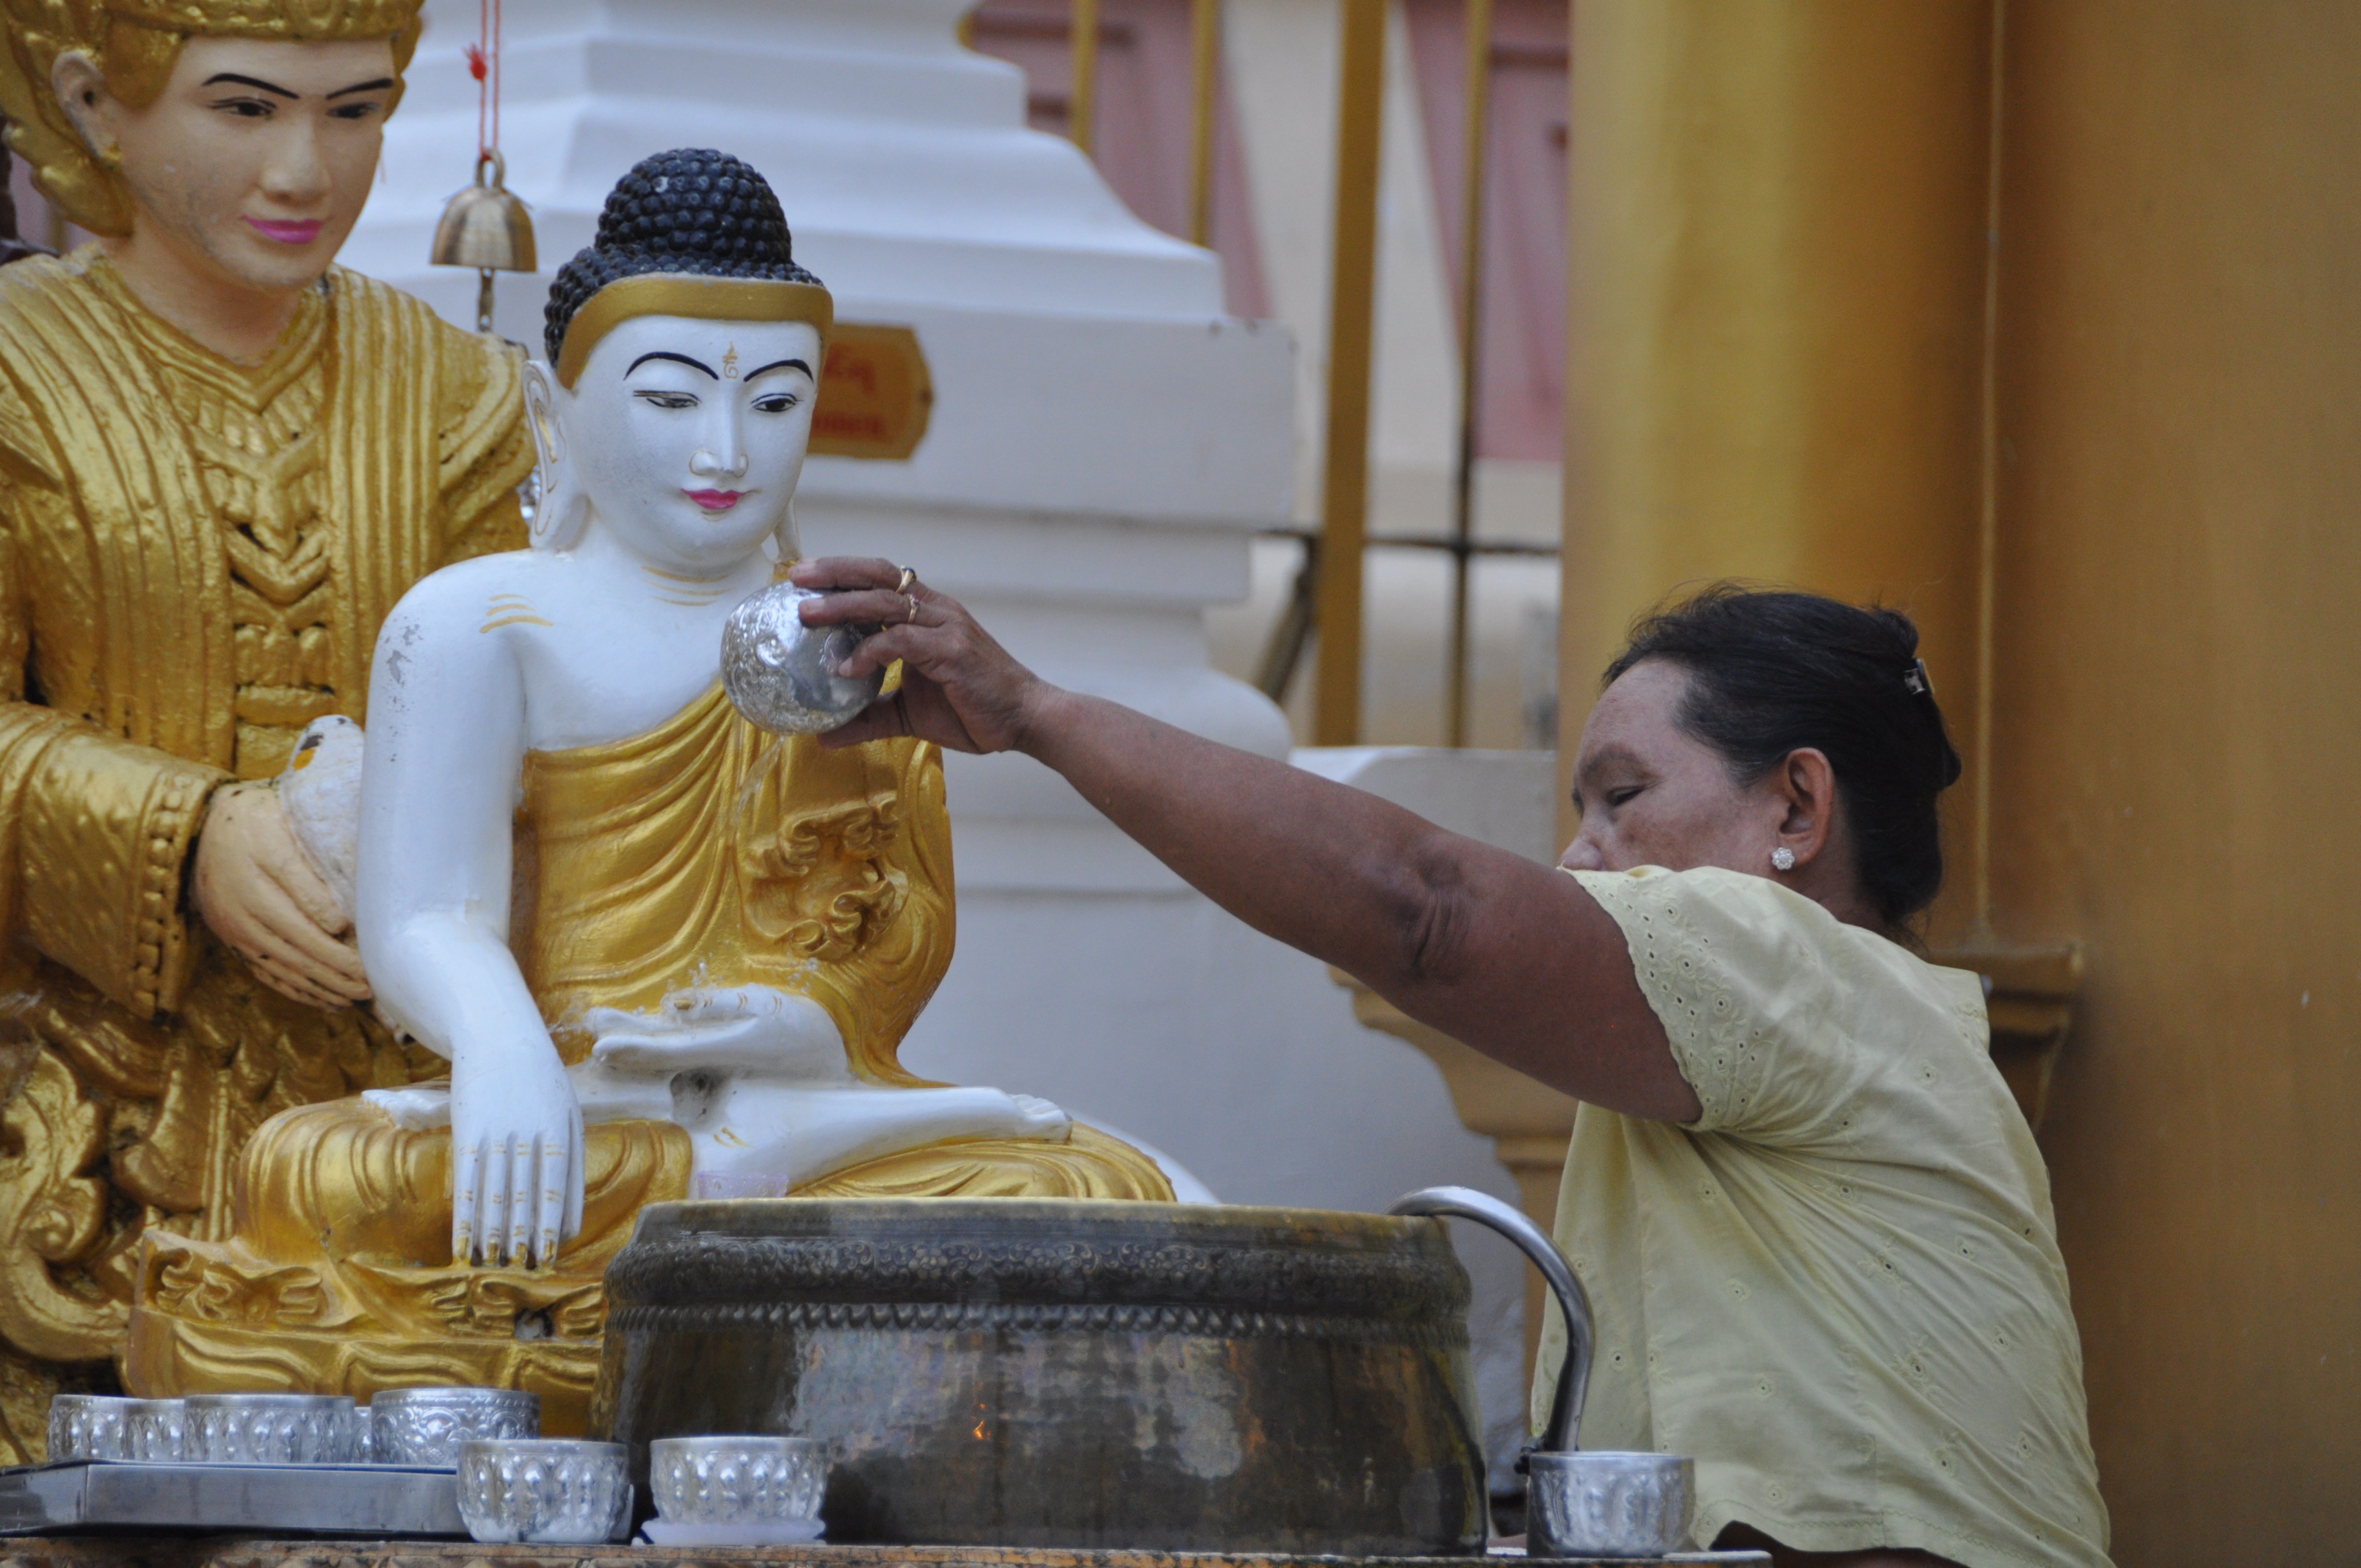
1513 959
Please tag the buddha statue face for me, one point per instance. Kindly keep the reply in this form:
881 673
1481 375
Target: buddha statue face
252 164
683 438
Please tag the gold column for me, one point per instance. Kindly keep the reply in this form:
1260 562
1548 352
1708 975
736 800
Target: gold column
1474 164
1774 325
1204 104
1082 45
1352 304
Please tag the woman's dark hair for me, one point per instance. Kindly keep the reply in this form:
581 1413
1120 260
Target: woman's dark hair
692 209
1771 674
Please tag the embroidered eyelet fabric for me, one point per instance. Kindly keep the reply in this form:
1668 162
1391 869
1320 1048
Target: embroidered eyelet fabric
1840 1291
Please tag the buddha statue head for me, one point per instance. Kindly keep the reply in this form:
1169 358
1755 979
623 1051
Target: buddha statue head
685 349
244 133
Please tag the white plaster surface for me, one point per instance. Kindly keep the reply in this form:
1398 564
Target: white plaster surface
1104 444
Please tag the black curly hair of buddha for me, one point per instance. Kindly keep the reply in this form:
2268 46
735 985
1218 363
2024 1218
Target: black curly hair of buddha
690 211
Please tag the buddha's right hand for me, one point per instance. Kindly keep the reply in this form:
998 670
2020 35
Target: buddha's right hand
255 889
516 1155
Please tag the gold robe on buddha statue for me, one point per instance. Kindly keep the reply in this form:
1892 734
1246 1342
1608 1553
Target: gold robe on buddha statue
194 559
703 852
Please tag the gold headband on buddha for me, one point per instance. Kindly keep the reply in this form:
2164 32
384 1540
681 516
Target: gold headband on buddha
297 21
699 299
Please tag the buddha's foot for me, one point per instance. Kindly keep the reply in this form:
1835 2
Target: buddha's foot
752 1128
421 1108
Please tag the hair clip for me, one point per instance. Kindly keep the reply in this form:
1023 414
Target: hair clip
1916 681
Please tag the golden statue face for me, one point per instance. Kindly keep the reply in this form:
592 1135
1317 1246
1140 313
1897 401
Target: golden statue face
253 163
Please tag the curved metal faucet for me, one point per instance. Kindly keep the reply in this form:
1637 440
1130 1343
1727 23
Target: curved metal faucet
1574 1375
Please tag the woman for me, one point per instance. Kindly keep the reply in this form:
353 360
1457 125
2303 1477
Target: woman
1815 1226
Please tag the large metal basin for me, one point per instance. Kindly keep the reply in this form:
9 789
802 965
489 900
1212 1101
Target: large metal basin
1017 1373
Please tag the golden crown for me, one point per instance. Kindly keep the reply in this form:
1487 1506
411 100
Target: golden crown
299 21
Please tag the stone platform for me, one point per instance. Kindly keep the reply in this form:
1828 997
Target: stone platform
235 1551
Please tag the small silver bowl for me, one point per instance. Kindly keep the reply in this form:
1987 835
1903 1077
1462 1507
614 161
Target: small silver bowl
544 1489
89 1426
737 1480
426 1426
782 675
156 1430
272 1429
1584 1504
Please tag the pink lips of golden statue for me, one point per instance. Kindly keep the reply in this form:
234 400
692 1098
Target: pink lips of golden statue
715 501
287 232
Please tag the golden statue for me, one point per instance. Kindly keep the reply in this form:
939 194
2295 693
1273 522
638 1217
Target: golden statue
684 966
222 462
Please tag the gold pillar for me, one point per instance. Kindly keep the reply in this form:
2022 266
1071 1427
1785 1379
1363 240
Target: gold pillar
1775 326
1082 45
1352 309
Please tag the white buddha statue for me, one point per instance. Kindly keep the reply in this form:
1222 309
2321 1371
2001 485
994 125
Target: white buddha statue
663 952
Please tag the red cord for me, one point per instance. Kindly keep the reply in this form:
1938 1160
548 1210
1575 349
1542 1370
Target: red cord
484 65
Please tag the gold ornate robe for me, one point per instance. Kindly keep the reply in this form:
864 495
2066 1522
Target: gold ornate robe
194 559
701 851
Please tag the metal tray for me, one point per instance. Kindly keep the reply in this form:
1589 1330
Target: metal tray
338 1500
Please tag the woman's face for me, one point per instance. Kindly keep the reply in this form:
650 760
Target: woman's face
1652 794
688 436
253 165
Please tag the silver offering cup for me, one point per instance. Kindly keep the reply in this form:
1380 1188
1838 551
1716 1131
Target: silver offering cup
543 1489
88 1426
1586 1504
272 1429
426 1426
737 1480
156 1430
782 675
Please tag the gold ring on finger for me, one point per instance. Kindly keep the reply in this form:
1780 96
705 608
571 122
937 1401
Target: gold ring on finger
912 601
909 575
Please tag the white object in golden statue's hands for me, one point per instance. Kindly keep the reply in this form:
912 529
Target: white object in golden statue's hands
320 793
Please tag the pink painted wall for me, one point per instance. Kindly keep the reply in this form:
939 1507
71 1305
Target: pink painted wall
1523 384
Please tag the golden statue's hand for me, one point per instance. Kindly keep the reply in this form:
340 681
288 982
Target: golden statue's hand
960 688
253 887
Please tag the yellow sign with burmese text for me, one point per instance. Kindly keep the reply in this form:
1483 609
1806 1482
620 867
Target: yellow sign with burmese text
875 395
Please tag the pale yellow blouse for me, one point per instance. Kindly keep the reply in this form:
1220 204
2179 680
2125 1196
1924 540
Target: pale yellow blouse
1840 1291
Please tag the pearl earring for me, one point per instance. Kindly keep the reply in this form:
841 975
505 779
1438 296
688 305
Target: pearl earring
1782 858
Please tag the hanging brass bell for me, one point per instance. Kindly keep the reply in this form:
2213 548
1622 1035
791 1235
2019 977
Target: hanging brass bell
487 227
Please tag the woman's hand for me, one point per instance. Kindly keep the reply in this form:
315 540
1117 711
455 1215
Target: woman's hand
253 887
960 688
516 1155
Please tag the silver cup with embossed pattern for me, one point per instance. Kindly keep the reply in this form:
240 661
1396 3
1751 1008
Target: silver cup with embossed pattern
89 1426
1596 1503
271 1429
426 1426
737 1480
156 1430
544 1489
